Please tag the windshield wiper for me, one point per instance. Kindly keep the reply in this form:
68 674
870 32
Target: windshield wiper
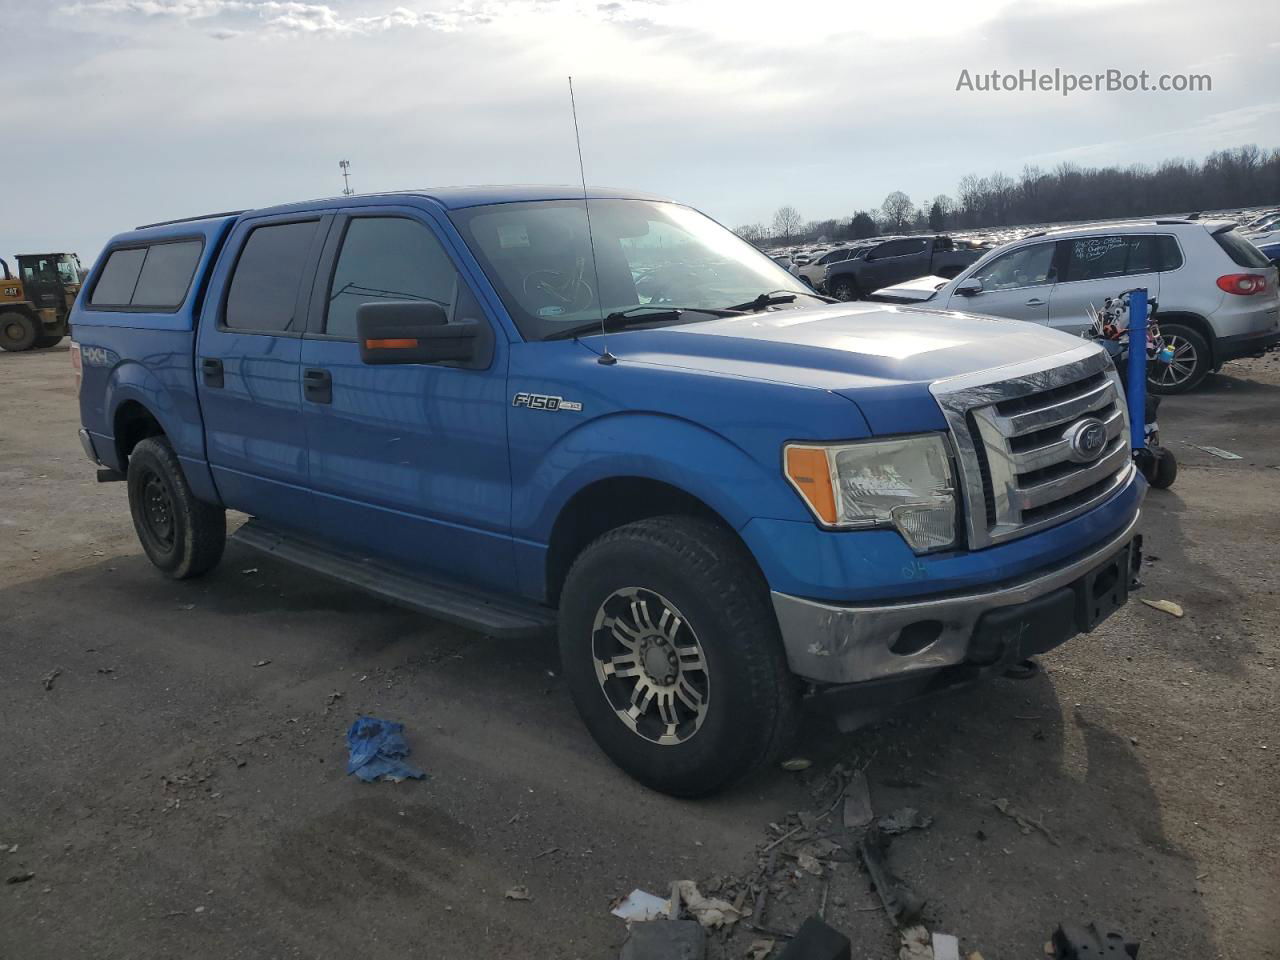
777 296
634 316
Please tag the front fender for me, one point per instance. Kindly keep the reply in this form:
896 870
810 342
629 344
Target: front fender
678 452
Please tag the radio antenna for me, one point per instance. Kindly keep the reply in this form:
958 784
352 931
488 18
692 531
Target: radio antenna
606 358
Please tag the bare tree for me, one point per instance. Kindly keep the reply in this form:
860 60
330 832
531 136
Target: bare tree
786 224
752 233
897 211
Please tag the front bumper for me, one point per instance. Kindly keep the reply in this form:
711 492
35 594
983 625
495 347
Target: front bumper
842 644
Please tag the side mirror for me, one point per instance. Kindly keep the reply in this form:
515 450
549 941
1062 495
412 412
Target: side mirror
414 331
968 288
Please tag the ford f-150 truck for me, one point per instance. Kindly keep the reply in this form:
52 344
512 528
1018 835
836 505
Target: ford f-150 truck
731 497
894 260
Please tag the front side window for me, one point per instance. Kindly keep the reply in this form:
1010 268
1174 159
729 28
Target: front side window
1025 267
387 258
539 257
264 288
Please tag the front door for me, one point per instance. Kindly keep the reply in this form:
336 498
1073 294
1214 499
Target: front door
407 461
1015 285
894 261
1099 267
247 373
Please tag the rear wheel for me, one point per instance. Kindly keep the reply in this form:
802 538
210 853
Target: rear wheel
184 537
843 288
672 654
17 331
1189 366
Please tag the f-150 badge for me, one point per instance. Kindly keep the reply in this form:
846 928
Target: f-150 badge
540 401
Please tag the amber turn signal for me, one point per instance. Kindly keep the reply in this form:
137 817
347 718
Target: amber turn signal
810 473
391 344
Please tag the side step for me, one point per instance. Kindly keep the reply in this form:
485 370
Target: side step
487 613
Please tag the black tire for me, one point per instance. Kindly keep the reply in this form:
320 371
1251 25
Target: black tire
1166 468
48 341
1191 351
18 332
184 537
750 700
844 288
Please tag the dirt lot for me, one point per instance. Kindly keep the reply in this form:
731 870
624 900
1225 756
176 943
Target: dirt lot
174 798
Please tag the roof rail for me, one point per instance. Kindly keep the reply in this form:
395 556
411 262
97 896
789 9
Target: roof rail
203 216
1171 220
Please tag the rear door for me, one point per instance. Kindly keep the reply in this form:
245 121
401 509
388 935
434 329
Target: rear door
1102 266
1016 284
893 262
408 461
247 371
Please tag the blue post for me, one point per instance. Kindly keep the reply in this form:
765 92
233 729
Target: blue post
1138 367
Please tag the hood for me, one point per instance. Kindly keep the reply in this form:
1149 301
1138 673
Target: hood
913 291
882 357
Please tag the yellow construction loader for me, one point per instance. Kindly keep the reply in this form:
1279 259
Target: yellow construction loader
35 302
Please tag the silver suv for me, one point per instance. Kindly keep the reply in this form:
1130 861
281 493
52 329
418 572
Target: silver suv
1217 292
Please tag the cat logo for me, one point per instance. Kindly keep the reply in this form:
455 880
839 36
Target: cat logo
12 291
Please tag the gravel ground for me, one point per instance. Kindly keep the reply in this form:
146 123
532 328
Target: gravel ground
171 794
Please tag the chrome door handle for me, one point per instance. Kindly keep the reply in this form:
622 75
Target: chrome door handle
1035 302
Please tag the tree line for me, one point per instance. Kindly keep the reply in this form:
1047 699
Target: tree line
1237 177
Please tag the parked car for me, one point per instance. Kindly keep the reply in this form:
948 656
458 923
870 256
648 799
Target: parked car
894 260
1264 232
730 498
815 271
1217 292
1271 251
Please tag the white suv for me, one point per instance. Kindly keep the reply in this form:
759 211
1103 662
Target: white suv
1217 293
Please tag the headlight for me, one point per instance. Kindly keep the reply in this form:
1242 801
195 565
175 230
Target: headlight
904 483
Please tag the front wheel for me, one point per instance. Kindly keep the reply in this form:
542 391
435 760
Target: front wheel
672 655
1188 367
843 288
17 331
184 537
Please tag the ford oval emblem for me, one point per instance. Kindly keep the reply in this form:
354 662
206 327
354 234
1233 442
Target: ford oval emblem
1087 439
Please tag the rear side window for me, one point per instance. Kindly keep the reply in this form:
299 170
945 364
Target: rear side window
166 274
387 258
1097 258
1241 251
155 277
120 275
899 248
264 287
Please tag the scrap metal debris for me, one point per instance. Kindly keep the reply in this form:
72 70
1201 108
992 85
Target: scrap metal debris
1215 451
760 949
945 947
797 763
262 663
902 820
817 941
665 940
22 877
51 676
377 751
1166 606
1072 942
857 802
901 903
518 892
640 905
1024 821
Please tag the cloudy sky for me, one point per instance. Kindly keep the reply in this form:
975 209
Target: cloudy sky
123 111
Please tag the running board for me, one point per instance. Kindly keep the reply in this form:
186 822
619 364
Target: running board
487 613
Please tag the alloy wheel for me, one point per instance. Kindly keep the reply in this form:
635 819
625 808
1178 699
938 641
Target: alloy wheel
1181 368
650 666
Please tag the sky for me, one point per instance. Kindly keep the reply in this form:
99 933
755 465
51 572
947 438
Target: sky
120 112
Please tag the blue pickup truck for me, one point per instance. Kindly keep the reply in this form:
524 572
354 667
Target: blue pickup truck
527 410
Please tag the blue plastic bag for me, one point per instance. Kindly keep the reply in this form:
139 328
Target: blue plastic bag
377 751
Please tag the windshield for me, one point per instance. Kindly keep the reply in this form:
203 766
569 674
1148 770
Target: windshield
538 256
69 269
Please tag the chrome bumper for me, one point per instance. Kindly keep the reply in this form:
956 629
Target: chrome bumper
830 643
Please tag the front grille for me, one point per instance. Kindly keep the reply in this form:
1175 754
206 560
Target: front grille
1019 470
